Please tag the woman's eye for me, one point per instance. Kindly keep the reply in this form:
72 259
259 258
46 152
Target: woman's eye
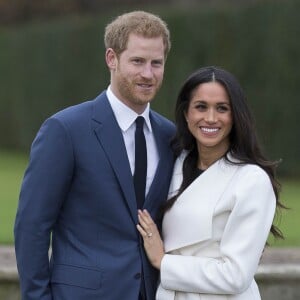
223 108
201 106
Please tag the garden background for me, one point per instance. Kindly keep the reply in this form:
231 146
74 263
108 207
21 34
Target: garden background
53 56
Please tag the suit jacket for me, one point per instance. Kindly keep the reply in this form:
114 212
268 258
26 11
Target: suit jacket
78 191
215 233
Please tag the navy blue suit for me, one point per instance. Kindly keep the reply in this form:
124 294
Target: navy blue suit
78 191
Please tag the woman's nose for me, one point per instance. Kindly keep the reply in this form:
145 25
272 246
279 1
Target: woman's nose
210 116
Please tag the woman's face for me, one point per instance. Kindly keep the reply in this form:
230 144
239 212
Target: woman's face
209 117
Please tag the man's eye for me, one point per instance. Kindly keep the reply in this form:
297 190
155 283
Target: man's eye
157 63
137 61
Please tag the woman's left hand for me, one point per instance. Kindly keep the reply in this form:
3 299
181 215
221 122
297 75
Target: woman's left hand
153 243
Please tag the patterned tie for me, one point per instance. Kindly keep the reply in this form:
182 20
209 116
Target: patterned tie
140 170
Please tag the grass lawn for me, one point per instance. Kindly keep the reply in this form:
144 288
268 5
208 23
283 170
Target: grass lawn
11 174
289 220
13 166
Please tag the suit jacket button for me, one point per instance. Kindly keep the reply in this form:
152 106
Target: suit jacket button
137 276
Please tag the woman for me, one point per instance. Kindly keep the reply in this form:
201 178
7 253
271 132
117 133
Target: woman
223 197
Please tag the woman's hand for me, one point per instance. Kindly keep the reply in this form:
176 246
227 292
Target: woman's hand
152 241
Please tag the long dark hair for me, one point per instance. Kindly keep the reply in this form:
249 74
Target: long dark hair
243 146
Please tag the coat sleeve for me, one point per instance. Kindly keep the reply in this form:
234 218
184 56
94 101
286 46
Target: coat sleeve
45 184
241 244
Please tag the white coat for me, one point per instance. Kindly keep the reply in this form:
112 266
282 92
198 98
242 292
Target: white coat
215 233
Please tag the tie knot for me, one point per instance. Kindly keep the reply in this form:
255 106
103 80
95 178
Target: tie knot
139 121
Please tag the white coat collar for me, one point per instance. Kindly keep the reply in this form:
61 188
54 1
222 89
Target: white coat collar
180 225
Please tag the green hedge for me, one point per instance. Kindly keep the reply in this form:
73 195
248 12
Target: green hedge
48 66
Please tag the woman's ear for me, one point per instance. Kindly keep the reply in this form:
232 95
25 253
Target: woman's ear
185 116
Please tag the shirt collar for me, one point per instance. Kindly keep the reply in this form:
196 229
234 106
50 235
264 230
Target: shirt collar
126 116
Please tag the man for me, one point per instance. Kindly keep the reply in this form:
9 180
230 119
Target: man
78 191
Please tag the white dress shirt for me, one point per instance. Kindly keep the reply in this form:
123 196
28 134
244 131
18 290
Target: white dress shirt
125 117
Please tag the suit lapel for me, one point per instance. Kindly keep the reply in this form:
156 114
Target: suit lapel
164 154
111 140
195 207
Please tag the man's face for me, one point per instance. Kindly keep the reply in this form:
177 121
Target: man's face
137 74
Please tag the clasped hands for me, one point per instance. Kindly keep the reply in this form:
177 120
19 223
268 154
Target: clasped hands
153 243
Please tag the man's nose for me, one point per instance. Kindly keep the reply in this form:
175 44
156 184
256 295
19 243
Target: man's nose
147 71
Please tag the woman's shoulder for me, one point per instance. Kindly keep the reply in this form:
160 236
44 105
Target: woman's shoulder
253 169
247 168
252 175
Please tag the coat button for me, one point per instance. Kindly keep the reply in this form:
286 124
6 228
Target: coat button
137 276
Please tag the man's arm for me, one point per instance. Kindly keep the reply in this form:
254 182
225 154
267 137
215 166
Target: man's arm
45 184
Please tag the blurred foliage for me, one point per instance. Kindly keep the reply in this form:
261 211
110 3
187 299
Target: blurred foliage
20 11
46 66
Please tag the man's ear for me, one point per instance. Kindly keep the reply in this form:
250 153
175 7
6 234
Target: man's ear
111 58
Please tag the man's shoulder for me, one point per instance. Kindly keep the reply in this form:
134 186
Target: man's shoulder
162 120
79 110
